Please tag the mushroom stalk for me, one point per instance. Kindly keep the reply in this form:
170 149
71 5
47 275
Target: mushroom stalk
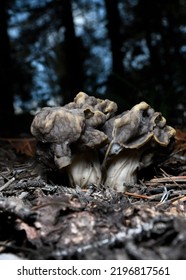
85 169
123 168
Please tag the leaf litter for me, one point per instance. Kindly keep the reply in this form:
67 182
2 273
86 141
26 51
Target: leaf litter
41 217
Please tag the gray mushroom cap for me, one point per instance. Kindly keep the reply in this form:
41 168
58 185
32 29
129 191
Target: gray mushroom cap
60 127
136 127
92 138
96 110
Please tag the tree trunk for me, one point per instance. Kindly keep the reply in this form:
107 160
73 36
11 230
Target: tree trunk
74 65
116 40
6 102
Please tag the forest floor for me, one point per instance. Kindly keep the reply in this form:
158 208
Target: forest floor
40 218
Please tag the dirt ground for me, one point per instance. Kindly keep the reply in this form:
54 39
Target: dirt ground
42 218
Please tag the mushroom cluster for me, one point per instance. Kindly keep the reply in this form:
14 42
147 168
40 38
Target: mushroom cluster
73 137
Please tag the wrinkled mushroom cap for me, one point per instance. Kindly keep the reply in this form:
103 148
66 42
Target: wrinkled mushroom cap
96 110
60 127
76 123
57 124
137 127
93 138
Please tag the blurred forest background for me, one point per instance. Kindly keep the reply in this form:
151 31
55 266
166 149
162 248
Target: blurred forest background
124 50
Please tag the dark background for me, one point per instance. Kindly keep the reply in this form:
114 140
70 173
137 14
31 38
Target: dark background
127 51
